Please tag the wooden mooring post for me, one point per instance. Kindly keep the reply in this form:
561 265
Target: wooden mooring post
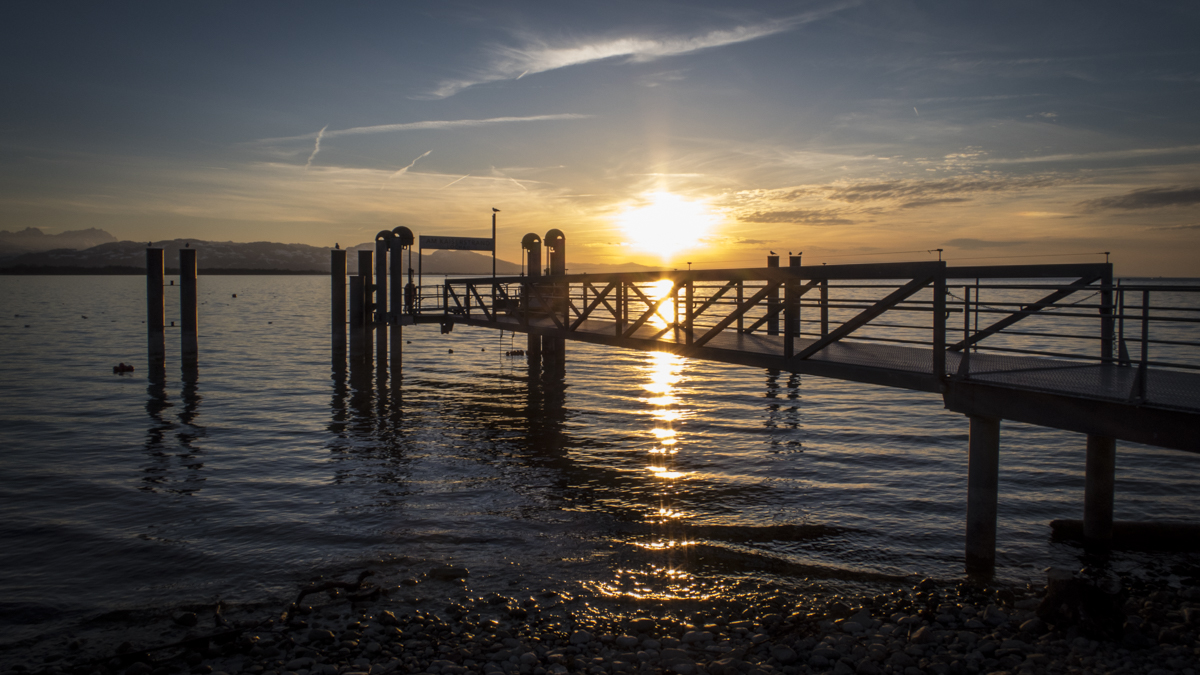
189 317
156 317
337 299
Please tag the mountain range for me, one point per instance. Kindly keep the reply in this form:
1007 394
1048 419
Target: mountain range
95 251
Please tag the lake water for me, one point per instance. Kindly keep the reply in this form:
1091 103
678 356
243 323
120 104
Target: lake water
645 476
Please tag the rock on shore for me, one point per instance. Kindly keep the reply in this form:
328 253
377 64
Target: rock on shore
942 628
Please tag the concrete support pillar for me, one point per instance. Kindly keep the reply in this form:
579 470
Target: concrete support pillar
156 315
337 297
189 317
983 487
1098 491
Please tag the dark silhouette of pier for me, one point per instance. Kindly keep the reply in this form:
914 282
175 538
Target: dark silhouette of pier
1060 346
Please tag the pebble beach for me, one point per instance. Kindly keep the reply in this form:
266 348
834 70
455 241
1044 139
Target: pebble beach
430 620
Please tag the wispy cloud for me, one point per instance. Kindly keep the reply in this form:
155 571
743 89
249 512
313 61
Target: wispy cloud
403 171
972 244
417 126
316 146
538 56
1147 198
1133 153
805 216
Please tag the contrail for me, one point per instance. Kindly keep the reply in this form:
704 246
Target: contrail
518 184
316 147
403 171
452 183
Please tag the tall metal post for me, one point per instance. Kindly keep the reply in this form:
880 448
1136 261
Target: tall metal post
357 323
689 320
337 297
983 489
156 316
773 301
824 307
554 348
365 262
791 309
531 244
939 323
382 242
189 319
1107 334
1098 491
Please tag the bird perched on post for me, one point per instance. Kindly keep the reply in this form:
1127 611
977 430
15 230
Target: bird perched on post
336 247
773 253
495 210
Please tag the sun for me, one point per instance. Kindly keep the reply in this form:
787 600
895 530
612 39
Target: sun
664 224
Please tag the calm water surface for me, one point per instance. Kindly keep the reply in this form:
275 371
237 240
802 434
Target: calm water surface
646 475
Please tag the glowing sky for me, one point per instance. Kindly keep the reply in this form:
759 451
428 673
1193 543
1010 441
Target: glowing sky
853 131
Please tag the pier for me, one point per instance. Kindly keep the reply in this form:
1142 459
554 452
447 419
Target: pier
1060 346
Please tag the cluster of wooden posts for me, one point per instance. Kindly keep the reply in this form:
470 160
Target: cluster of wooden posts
156 315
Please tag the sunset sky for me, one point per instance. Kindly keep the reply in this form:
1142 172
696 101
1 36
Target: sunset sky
650 132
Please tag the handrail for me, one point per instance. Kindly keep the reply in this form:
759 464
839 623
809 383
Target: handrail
1075 311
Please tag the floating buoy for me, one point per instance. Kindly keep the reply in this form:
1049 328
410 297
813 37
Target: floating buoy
451 351
484 349
410 342
235 295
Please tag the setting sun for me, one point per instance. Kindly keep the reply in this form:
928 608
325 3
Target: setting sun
665 224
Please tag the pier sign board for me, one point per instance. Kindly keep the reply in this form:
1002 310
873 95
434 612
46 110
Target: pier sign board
458 243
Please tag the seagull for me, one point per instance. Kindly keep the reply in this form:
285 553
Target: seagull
188 245
495 210
336 246
773 253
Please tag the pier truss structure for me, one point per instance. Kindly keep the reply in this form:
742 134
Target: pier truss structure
1061 346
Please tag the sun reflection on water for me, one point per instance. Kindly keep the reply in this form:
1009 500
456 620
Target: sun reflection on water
663 579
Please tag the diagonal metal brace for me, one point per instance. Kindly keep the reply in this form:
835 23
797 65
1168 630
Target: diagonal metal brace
1027 310
863 317
587 311
737 313
651 310
780 309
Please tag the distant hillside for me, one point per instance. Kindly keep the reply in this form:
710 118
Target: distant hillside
266 256
129 257
33 240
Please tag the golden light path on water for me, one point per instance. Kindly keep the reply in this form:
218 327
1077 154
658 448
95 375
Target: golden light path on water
665 580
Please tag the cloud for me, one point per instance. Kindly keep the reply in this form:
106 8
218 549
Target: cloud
971 244
1132 153
316 146
418 126
403 171
1147 198
802 216
930 202
538 56
928 191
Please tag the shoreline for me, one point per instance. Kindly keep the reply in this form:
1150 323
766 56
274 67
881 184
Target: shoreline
426 618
